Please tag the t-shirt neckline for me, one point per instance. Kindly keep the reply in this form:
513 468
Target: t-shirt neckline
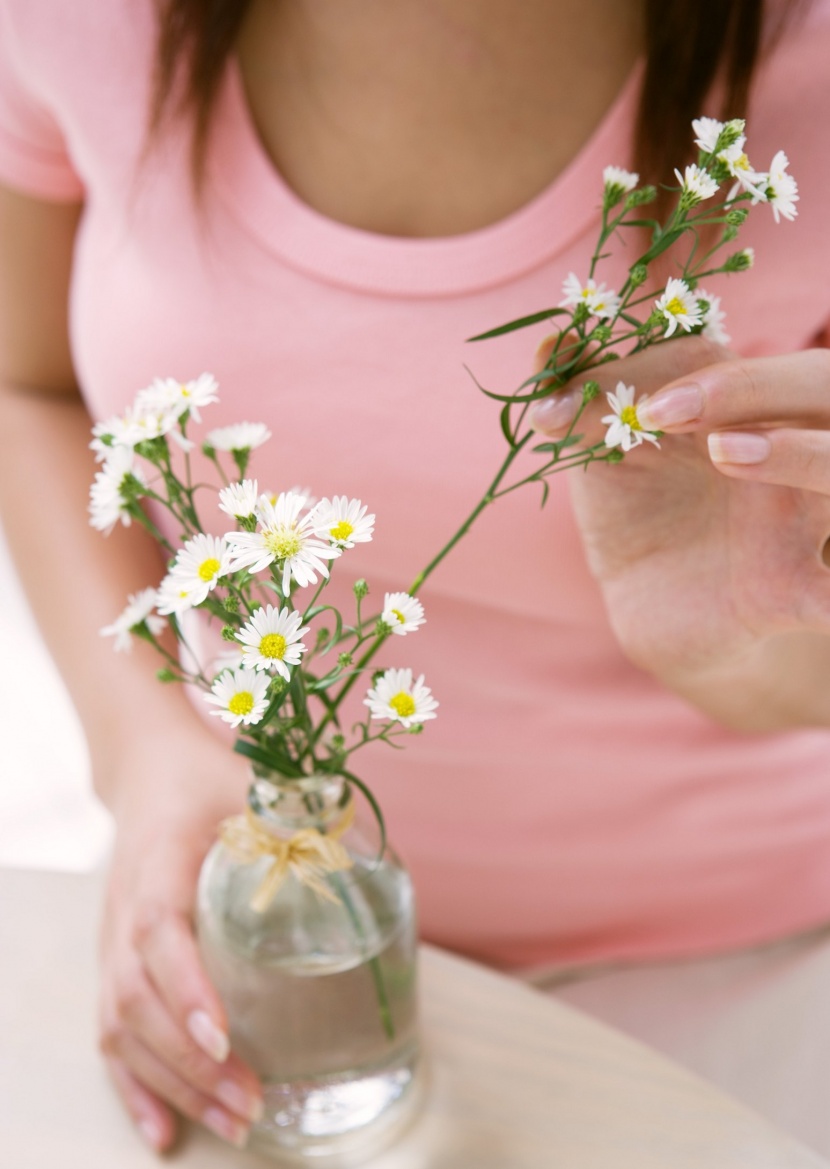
245 178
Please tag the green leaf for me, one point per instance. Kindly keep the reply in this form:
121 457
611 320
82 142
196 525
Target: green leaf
662 244
520 323
506 430
270 758
545 492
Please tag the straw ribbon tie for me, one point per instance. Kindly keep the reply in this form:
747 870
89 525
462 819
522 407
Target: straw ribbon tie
308 855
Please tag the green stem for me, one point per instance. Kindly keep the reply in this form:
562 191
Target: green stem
386 1019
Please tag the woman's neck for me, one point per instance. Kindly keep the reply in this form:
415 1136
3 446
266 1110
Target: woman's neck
430 117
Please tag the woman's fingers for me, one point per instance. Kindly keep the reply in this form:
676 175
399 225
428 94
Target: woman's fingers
165 941
794 388
145 1015
153 1119
647 372
787 457
142 1078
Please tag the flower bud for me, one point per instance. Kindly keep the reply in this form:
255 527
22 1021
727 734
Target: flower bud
344 660
581 313
641 197
740 261
590 391
638 275
231 603
382 629
737 216
729 233
166 675
615 456
730 134
602 334
228 633
360 588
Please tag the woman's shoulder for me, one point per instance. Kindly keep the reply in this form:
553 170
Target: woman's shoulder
70 75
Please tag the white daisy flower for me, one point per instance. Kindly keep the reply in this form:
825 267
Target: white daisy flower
139 611
272 640
343 521
402 613
618 182
707 131
395 696
165 395
107 502
239 500
736 162
679 306
241 696
126 430
624 427
241 436
196 570
308 498
713 318
285 537
781 189
697 184
599 299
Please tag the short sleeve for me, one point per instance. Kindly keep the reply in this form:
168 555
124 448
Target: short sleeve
33 155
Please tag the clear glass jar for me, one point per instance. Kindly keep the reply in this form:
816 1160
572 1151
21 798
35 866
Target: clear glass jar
320 995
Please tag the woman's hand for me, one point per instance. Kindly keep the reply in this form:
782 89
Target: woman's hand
163 1028
710 552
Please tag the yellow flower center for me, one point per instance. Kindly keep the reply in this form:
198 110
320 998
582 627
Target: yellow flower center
742 163
273 646
628 415
241 703
341 531
283 542
208 568
400 616
676 307
403 704
185 391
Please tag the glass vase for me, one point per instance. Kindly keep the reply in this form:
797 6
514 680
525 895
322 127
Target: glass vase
320 990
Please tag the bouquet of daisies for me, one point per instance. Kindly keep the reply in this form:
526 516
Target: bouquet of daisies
261 581
292 659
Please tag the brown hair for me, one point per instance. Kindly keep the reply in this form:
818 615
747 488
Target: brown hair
689 46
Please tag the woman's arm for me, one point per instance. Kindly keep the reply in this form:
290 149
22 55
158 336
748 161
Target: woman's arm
154 763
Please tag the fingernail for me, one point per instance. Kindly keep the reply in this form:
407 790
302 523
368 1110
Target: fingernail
674 407
225 1126
152 1132
210 1038
235 1097
732 446
554 413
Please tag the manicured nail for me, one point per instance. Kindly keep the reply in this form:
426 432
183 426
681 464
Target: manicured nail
235 1097
210 1038
673 408
152 1132
554 413
225 1126
732 446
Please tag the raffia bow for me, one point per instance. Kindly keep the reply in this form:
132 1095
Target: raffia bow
308 855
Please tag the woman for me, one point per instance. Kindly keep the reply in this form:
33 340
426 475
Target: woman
632 759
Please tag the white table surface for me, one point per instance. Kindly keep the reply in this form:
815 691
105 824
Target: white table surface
517 1080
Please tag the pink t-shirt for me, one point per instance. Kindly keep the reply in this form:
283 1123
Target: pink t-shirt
564 806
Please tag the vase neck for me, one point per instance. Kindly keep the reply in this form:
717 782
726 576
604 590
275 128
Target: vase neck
286 806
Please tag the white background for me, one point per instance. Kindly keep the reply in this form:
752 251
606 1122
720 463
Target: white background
49 817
